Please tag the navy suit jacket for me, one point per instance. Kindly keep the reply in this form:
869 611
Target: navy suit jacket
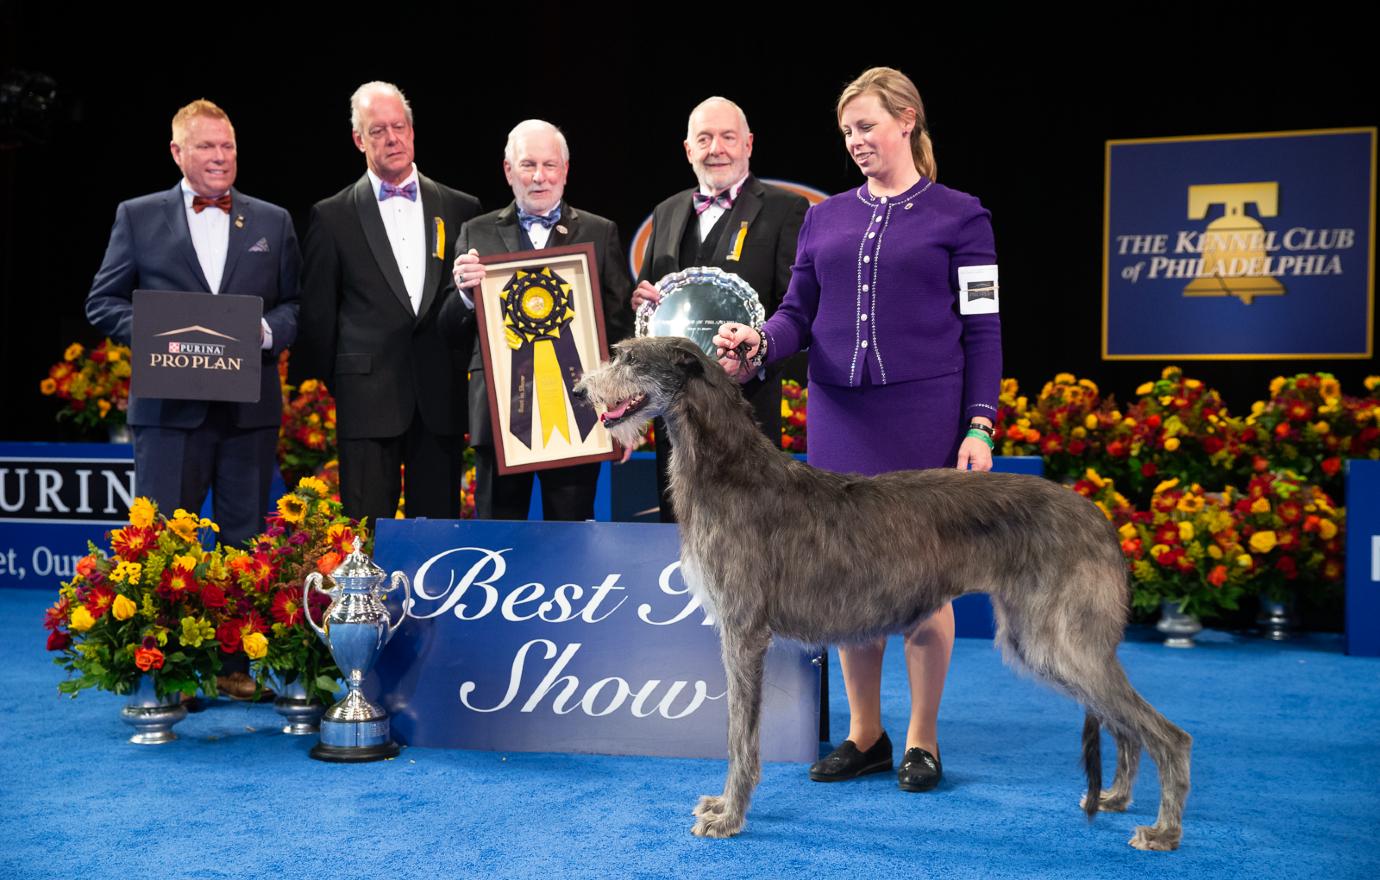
151 249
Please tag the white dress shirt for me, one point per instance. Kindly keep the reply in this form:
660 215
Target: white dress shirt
211 240
405 223
712 214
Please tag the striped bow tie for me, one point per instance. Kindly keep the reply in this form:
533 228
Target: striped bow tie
704 203
388 190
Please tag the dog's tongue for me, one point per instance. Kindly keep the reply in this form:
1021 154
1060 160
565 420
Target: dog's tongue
616 411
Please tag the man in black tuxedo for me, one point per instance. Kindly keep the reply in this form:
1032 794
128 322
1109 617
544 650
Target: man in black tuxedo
536 162
732 221
376 302
204 235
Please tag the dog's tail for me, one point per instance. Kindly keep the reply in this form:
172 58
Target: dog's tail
1092 762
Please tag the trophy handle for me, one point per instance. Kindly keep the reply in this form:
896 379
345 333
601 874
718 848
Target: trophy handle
313 581
407 600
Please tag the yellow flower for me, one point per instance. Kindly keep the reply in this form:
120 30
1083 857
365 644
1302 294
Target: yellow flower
195 631
1088 384
1321 428
1190 503
129 572
785 414
1192 383
1260 505
1258 407
1093 477
123 608
1214 551
1327 529
1103 507
1022 403
1276 385
1243 561
309 386
323 507
1171 444
1079 432
255 645
292 508
1371 382
73 352
48 386
1009 387
1127 531
183 524
1166 399
1170 373
1186 531
1330 388
142 512
1064 379
116 353
103 406
1145 389
81 619
1263 542
1166 485
186 561
1090 422
1159 550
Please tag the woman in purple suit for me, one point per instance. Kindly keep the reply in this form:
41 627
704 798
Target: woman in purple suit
894 294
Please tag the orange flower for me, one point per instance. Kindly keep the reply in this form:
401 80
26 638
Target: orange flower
148 658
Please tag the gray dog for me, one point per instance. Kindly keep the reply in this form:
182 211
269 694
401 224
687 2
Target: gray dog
868 556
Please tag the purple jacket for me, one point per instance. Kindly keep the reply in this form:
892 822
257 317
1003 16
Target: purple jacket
874 290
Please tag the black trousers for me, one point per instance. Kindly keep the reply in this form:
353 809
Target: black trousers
567 493
372 472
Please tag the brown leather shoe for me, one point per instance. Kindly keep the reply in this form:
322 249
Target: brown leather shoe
239 686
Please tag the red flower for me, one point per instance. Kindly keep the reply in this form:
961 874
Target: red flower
1084 488
58 639
1288 567
1132 547
329 562
1153 420
132 542
287 608
1282 430
1116 449
212 596
1287 539
86 565
1212 443
1077 447
178 582
56 616
1289 511
1299 411
1218 576
1260 464
1148 469
1330 466
98 601
1050 444
1184 563
1167 533
148 658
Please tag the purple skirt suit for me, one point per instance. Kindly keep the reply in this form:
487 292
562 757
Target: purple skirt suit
895 370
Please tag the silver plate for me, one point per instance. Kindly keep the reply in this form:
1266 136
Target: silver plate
695 301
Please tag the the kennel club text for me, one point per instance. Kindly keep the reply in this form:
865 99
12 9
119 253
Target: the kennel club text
473 590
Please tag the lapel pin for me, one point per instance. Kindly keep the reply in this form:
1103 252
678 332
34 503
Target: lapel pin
239 221
561 229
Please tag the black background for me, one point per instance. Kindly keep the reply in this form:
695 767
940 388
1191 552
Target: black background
1019 108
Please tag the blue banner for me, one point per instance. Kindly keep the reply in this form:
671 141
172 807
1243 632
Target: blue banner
1363 558
568 637
1240 246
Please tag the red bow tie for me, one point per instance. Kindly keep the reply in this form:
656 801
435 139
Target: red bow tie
201 203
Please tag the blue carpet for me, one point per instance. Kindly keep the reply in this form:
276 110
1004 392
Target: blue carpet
1286 783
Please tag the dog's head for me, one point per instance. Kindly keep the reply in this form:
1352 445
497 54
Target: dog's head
643 381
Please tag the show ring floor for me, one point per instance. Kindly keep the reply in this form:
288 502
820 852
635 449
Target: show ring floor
1286 783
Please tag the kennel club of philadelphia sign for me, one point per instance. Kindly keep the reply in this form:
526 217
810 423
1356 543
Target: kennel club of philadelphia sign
1240 247
571 637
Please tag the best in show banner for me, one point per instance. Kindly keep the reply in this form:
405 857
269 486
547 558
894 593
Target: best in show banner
1240 247
568 637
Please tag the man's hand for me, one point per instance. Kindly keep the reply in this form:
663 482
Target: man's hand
645 292
467 271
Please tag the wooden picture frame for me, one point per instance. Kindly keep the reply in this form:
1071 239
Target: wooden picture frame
540 326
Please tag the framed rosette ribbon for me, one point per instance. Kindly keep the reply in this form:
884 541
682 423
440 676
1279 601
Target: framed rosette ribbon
540 327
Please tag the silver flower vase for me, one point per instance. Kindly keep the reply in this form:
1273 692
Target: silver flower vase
1276 620
1178 628
152 716
302 714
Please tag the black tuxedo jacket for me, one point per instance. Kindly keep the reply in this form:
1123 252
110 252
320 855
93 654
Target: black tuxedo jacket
773 216
358 331
498 232
151 249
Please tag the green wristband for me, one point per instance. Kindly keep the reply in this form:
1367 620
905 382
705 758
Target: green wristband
981 435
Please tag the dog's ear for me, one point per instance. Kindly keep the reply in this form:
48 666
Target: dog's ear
687 359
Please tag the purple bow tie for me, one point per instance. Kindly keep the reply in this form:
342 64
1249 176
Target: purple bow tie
407 191
703 202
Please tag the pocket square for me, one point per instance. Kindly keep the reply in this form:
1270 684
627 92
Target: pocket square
260 247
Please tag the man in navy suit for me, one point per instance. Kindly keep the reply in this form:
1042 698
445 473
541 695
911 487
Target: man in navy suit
204 235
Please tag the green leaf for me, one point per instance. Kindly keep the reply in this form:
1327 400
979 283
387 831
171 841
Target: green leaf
326 683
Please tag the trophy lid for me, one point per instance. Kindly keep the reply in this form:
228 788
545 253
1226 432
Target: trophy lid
357 571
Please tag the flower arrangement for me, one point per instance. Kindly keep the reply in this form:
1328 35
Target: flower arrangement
267 617
1312 427
93 385
307 436
794 400
1014 432
1187 549
148 607
1293 532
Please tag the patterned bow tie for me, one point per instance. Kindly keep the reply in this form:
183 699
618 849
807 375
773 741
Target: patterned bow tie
407 191
704 203
201 203
548 221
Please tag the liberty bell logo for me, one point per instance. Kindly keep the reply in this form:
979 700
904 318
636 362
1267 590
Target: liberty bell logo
1233 252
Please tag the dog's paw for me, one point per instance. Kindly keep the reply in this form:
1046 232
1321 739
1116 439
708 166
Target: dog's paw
1107 802
722 824
1151 838
709 805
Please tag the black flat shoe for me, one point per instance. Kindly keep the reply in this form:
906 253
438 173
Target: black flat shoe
920 771
846 762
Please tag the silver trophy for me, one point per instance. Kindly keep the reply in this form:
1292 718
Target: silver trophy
357 626
695 301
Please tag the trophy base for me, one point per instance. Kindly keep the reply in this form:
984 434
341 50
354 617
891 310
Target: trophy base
355 754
